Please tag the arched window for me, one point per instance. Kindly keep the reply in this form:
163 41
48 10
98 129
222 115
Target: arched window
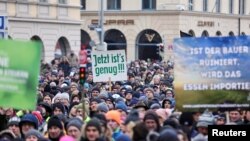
204 34
148 45
231 33
191 32
243 33
38 39
218 33
115 40
62 47
85 39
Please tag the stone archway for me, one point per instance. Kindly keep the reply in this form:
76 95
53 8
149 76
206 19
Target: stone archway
38 39
148 45
62 47
115 40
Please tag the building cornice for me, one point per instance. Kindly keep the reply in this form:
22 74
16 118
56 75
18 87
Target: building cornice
42 3
46 21
165 12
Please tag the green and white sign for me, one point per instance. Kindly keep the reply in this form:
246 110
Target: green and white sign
19 70
109 65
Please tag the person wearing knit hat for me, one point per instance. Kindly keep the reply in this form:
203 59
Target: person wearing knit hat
155 106
114 121
168 135
72 109
65 99
103 94
204 120
133 116
13 125
55 128
95 93
123 137
73 128
93 105
109 102
163 115
121 106
130 100
151 121
33 135
67 138
80 112
92 131
56 98
73 86
58 108
102 108
153 101
47 108
28 121
38 116
7 135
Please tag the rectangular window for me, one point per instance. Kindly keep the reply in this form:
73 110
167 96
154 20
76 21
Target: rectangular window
62 1
83 4
148 4
114 4
231 3
242 7
205 5
191 5
218 6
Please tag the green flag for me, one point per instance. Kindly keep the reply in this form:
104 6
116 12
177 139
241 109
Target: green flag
19 71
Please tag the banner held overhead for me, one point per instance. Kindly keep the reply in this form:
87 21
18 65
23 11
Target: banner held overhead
211 72
19 71
109 65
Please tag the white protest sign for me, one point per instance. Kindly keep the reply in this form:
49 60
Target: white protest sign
109 65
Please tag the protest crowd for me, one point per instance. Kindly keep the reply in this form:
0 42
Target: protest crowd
143 108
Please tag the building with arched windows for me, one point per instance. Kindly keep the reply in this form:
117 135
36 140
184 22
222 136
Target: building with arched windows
144 28
54 23
140 26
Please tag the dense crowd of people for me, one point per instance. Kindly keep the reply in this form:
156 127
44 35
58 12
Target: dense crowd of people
139 109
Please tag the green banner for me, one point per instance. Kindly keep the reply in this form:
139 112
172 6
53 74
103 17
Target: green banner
19 71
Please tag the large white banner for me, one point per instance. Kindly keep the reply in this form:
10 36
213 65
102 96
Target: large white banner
109 65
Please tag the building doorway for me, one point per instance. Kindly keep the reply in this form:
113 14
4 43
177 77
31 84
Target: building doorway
147 46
